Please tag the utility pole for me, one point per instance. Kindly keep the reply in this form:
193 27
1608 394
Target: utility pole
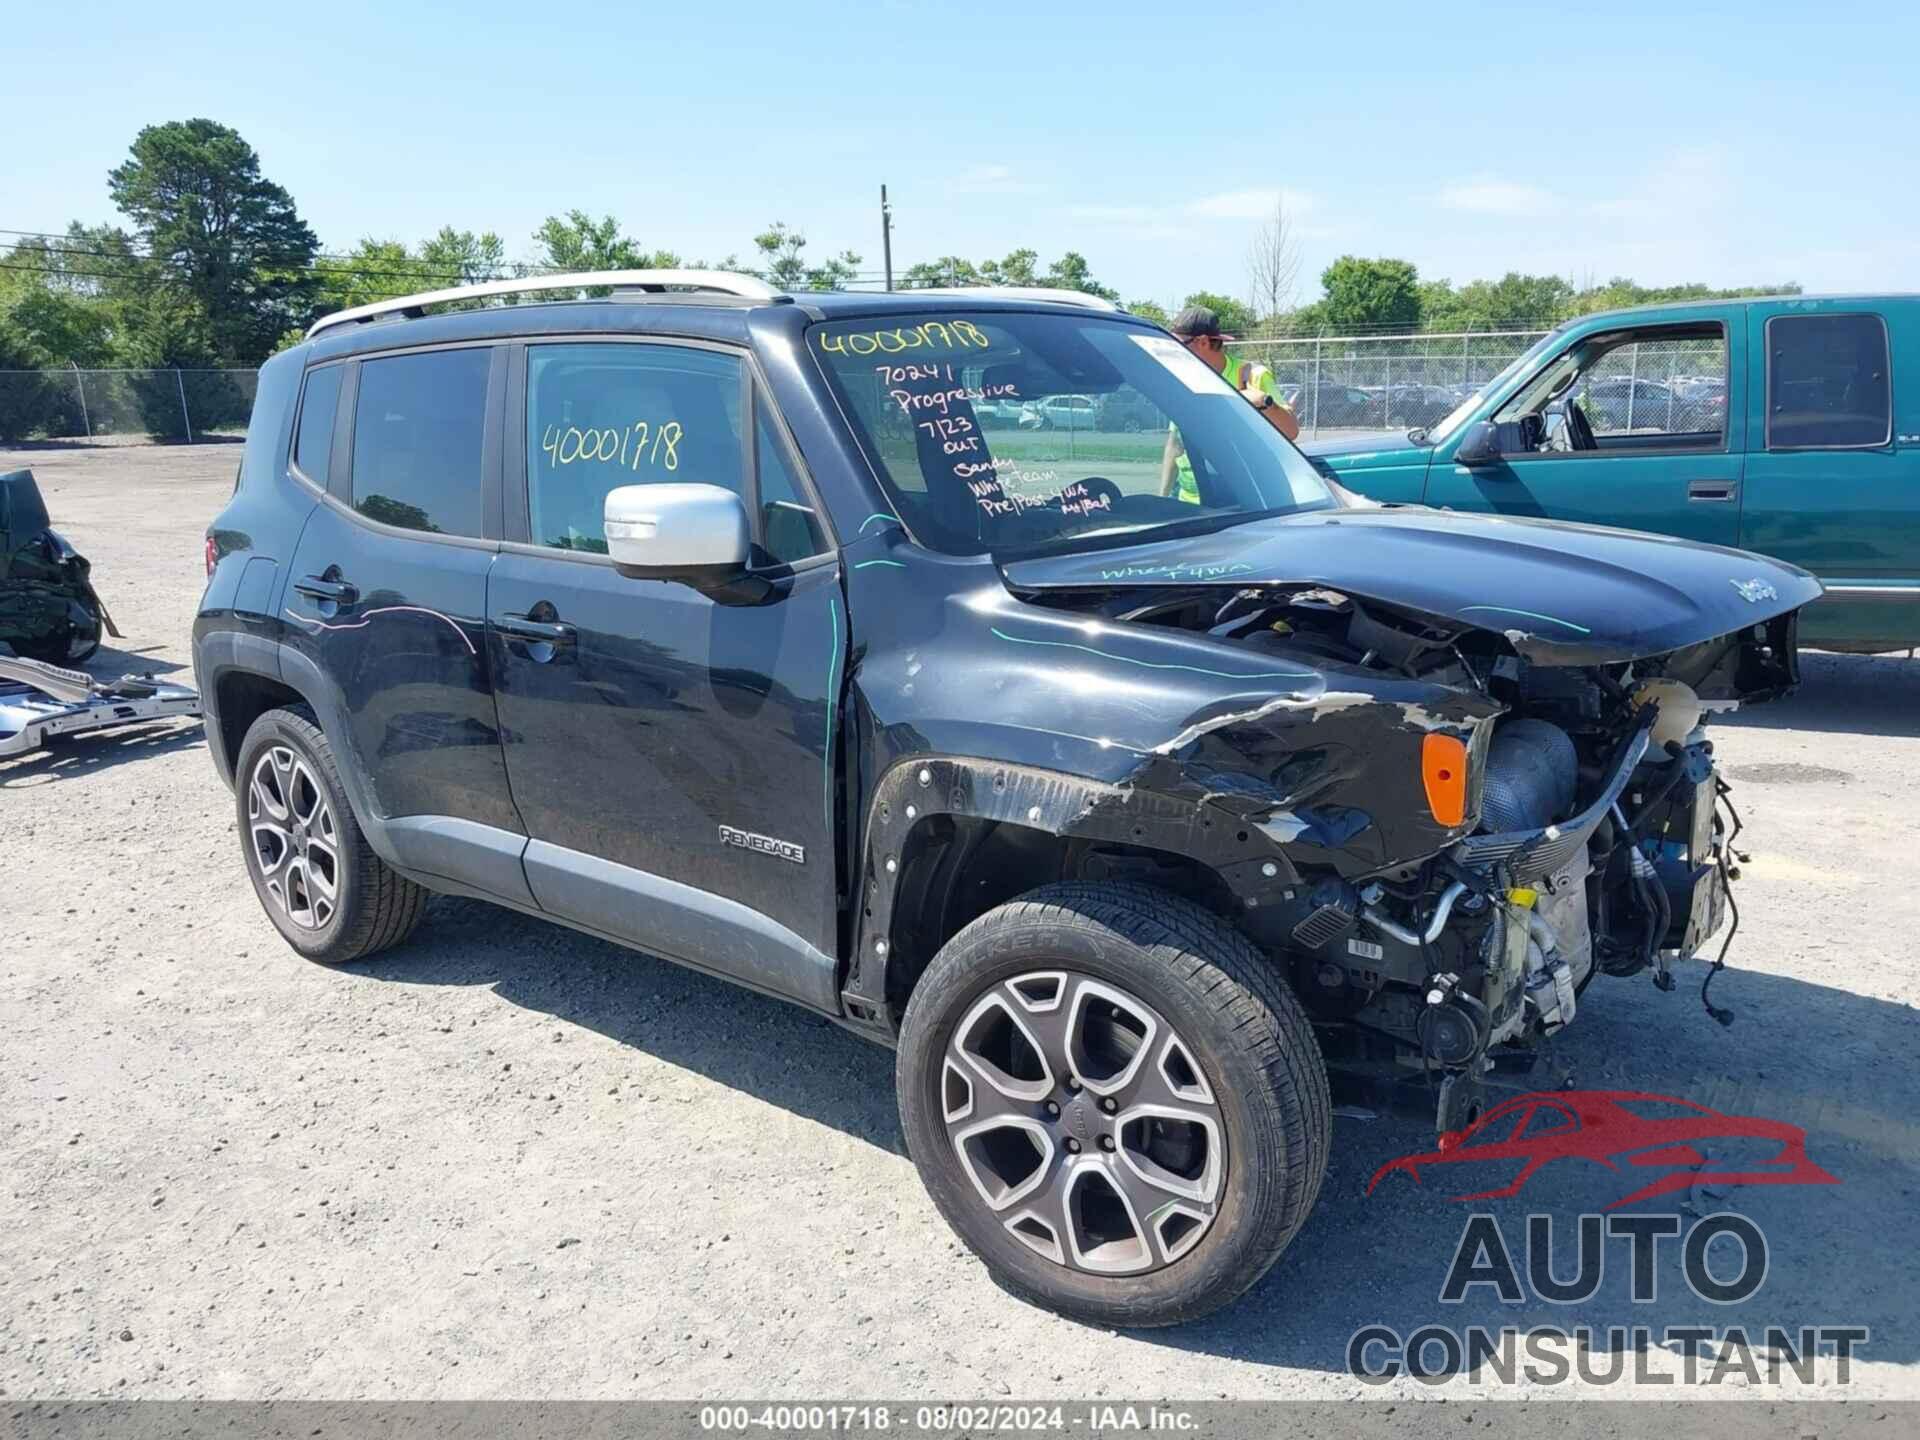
886 235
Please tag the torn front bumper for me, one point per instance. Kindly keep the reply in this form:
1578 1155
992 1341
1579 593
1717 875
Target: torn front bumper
29 718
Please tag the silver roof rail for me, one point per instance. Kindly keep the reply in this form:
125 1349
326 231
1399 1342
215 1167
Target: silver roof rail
1020 292
721 282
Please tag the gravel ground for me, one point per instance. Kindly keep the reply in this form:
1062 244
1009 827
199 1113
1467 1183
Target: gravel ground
510 1161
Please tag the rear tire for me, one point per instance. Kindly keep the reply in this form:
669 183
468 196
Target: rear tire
330 897
1089 1004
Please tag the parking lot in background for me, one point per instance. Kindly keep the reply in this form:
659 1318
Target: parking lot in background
508 1160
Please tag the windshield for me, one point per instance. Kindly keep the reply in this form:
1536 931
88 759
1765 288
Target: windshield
1458 415
1016 433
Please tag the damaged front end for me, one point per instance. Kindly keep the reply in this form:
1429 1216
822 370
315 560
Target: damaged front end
49 610
1478 805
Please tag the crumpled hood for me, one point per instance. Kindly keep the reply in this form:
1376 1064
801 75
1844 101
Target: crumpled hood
1562 594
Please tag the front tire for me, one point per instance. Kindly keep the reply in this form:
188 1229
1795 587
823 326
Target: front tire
330 897
1116 1102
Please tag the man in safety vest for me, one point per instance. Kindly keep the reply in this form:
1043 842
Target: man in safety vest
1198 328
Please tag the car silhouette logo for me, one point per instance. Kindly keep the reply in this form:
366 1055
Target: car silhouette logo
1626 1131
1755 590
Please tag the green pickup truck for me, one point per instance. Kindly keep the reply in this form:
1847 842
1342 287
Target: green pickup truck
1773 425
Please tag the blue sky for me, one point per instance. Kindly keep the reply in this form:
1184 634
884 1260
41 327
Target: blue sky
1737 143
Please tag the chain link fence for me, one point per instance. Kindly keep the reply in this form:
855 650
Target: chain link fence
124 406
1349 382
1333 383
1339 383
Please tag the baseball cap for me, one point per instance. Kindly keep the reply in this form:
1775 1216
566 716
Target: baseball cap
1196 320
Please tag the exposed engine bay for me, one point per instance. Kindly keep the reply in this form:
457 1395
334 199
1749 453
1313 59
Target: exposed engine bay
1593 834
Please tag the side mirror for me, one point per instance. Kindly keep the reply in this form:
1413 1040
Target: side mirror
694 534
1479 446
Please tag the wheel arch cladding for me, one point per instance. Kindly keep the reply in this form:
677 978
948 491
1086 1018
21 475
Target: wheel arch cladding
932 817
241 697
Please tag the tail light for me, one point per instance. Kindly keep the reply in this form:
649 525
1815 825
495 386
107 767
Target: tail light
213 556
1443 770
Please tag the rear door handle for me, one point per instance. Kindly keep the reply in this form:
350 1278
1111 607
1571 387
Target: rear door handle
552 632
1713 490
318 587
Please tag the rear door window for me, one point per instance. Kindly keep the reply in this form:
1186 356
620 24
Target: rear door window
1828 383
417 432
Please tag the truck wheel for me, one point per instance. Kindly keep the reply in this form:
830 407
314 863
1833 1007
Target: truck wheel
1116 1102
319 881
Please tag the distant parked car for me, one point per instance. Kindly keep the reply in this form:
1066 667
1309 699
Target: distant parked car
1129 411
1340 406
999 412
1703 396
1415 403
1621 402
1061 412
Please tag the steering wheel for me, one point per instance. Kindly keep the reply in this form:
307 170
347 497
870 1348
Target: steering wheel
1579 430
1098 486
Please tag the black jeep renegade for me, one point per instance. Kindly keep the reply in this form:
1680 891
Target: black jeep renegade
771 634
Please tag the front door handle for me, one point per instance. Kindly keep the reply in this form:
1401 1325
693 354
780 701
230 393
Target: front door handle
1713 490
325 588
520 627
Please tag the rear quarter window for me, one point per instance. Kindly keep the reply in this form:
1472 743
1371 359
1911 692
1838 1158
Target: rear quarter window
313 440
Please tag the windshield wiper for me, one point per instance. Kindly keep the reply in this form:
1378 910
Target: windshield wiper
1145 534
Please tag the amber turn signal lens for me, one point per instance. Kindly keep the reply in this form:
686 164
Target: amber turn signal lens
1443 770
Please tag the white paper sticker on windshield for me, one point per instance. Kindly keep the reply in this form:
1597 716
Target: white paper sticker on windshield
1190 369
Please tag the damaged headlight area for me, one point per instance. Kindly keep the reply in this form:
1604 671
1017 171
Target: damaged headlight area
1575 825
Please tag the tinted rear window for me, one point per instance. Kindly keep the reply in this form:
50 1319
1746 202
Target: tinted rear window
1827 382
313 446
417 431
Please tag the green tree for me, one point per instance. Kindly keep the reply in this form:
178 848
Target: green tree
1621 291
1364 295
55 304
1071 272
1149 310
946 271
1236 316
460 257
781 247
1017 268
576 241
229 237
372 270
1513 302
